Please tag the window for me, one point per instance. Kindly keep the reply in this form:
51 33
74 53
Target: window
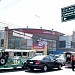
17 54
2 42
47 58
52 58
62 44
51 44
72 44
24 53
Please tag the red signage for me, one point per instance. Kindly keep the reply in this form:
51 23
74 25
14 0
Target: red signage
38 31
36 46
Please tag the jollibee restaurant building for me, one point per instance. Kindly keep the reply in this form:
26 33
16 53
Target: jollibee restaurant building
41 40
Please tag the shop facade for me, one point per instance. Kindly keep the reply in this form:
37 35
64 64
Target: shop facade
43 41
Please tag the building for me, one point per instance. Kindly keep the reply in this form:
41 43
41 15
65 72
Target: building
41 40
67 42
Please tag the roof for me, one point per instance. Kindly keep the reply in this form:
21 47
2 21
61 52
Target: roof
56 52
32 30
17 50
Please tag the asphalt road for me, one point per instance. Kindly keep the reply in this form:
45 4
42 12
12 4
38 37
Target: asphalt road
20 71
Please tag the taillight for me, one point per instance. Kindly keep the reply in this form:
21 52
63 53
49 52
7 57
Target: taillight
37 62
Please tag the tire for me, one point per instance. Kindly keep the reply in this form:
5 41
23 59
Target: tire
32 69
59 67
23 67
45 68
2 61
14 68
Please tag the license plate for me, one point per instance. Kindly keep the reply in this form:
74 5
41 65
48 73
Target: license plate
31 62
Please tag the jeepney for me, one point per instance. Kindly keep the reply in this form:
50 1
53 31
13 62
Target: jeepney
15 58
68 57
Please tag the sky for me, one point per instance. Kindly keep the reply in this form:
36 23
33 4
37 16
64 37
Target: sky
35 14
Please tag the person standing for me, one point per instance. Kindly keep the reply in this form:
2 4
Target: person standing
73 62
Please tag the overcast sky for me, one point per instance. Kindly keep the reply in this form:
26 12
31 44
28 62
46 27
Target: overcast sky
35 14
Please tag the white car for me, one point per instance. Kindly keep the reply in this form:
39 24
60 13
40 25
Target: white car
61 59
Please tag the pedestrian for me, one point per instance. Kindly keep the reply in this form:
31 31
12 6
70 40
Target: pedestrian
73 62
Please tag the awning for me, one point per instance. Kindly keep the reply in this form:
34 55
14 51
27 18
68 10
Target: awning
56 52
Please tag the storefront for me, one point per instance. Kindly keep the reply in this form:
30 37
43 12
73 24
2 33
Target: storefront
43 41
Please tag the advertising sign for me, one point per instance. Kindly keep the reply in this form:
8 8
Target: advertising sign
40 45
37 46
22 34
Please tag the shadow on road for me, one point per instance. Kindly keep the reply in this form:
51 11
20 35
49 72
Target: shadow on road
11 70
41 71
26 70
68 67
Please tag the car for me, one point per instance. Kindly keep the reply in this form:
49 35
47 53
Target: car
43 62
61 59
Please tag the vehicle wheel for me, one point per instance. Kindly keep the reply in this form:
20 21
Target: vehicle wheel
59 67
23 67
15 68
32 69
45 68
2 61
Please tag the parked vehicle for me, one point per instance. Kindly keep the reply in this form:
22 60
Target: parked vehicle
61 59
43 62
3 58
15 58
68 58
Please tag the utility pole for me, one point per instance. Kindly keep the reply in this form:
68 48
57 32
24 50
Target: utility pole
52 39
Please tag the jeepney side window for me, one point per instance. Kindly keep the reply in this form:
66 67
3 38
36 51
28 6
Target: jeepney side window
19 54
15 54
24 53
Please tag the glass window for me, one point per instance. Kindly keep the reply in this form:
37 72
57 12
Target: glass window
47 58
72 44
17 54
12 43
52 58
2 42
62 44
19 43
24 53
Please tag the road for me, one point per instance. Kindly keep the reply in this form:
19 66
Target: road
63 71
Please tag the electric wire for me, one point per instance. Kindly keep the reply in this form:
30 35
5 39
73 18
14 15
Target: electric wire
10 5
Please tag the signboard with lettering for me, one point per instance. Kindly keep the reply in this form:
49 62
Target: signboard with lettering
68 13
22 34
40 44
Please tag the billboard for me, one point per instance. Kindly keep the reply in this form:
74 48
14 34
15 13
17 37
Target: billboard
40 44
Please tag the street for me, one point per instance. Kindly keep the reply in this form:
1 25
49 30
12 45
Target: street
63 71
